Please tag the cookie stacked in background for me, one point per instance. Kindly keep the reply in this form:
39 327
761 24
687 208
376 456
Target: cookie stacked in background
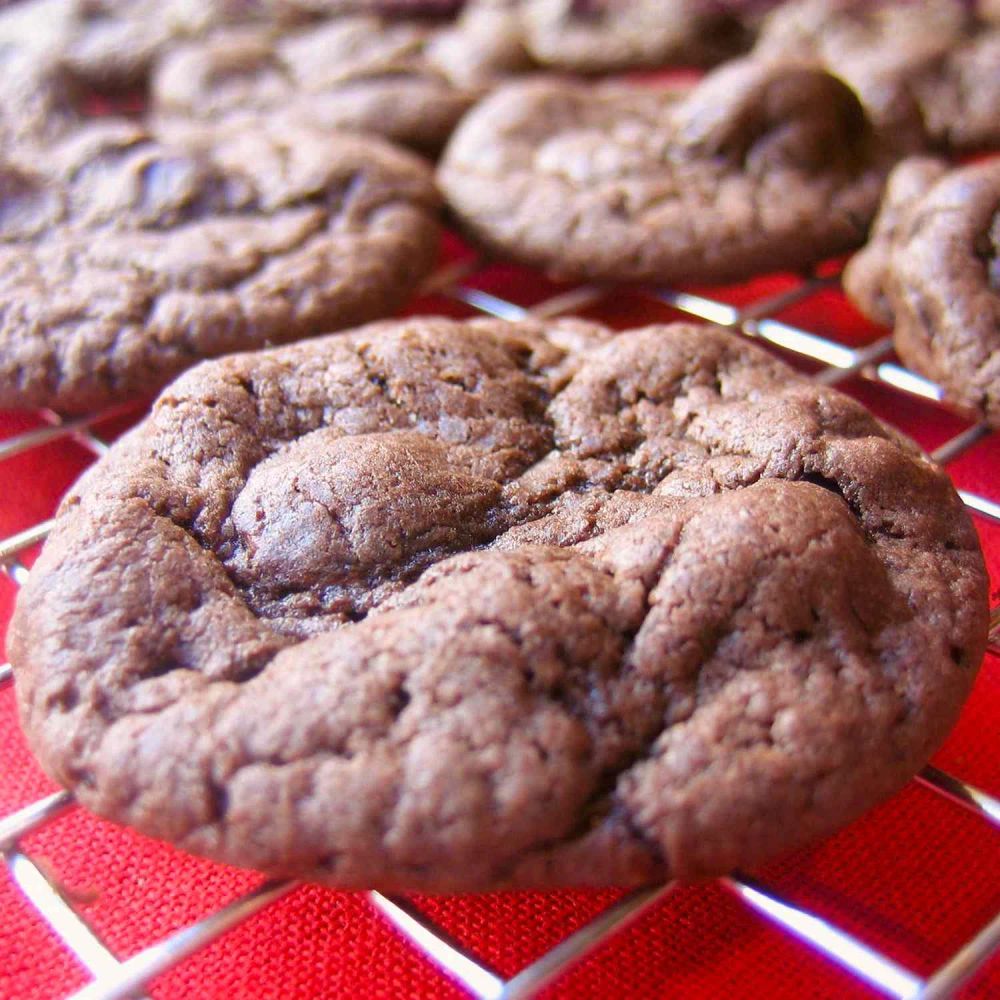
130 251
932 271
775 160
252 200
934 64
454 606
770 162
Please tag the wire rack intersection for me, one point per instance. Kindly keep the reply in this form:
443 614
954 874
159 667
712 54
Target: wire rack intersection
114 978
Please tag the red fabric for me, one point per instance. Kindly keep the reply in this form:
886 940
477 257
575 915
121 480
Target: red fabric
916 877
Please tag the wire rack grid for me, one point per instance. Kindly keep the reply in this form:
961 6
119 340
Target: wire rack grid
117 978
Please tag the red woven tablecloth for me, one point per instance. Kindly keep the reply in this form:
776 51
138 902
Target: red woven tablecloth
915 878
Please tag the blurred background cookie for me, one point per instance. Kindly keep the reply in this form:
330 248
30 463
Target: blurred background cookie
600 36
390 78
937 59
762 166
127 255
932 271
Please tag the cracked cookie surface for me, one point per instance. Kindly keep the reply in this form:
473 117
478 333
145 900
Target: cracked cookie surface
932 271
459 606
760 167
126 255
112 44
405 80
932 69
397 8
601 36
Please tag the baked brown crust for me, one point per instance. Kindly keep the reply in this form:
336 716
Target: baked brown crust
761 167
397 8
111 44
459 606
867 272
359 73
601 36
932 269
934 62
959 95
125 256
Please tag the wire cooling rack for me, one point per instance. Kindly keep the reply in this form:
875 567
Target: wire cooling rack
832 362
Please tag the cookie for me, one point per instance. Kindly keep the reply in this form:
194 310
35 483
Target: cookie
127 256
932 268
111 44
456 606
39 104
360 73
760 167
406 8
846 32
936 59
867 272
959 93
485 44
601 36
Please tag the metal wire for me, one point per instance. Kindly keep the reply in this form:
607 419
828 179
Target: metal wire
964 964
125 978
41 436
10 547
18 824
15 570
57 429
115 979
959 792
950 450
574 949
49 899
439 947
845 950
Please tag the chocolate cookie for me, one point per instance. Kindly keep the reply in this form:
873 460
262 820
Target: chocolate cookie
361 73
460 606
406 8
866 274
761 167
599 36
111 44
844 32
933 269
39 104
958 95
937 59
125 257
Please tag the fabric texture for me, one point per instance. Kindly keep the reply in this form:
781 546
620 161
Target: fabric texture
915 878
